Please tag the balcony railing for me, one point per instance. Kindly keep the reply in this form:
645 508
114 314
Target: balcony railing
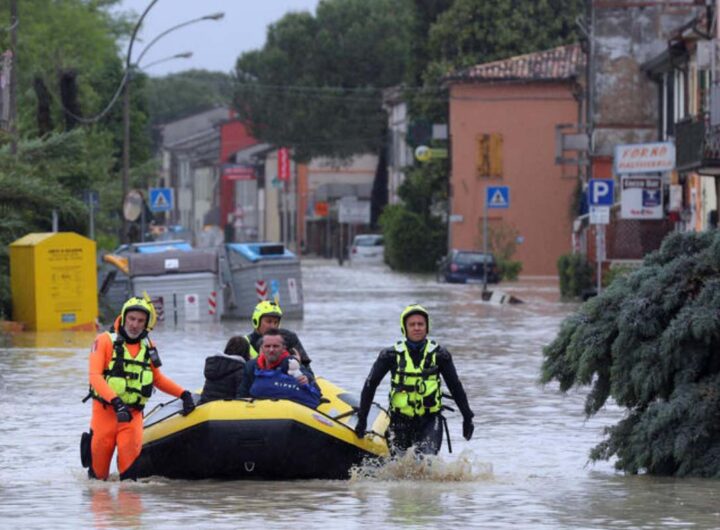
697 146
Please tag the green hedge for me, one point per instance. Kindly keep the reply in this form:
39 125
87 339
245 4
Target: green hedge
575 275
412 243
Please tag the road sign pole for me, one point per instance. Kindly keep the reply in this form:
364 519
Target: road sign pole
92 220
599 254
485 243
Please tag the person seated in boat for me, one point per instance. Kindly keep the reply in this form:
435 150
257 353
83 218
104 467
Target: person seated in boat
266 316
224 371
277 374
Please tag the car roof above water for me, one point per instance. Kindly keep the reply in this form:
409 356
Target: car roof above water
471 255
367 240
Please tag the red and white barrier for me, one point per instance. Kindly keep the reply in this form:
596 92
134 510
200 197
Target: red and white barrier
212 303
261 289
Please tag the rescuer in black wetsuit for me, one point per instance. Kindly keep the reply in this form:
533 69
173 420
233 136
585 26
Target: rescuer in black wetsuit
416 364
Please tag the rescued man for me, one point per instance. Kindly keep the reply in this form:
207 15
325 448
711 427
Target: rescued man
277 374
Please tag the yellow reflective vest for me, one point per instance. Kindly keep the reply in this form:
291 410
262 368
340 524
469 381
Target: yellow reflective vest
415 390
252 351
131 378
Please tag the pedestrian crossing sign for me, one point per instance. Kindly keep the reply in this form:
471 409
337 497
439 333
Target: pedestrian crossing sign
161 199
498 197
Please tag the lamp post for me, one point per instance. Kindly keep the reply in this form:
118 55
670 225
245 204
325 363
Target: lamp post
12 117
126 92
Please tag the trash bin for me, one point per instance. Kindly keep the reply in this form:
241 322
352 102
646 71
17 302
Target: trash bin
53 281
184 286
261 271
113 275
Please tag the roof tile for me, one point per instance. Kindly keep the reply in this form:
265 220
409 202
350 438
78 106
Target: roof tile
557 64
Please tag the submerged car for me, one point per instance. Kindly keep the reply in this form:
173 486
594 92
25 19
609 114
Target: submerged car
468 266
367 248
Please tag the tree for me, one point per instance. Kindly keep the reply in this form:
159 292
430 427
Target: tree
176 96
477 31
651 342
415 234
73 42
316 84
45 175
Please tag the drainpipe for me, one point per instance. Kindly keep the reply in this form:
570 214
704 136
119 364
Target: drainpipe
590 67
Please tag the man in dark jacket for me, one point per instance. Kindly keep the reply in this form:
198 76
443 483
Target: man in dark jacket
277 374
416 364
224 372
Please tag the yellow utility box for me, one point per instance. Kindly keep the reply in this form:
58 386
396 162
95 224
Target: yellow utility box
53 278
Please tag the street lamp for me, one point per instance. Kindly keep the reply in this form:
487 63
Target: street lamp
184 55
126 91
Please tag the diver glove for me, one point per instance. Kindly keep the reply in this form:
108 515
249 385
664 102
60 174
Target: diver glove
468 428
361 428
122 412
188 403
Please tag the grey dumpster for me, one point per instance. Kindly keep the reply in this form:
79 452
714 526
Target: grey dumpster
114 275
183 285
261 271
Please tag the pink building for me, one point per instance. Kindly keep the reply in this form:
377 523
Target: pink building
504 117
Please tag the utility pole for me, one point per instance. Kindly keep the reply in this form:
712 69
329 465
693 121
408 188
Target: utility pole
12 117
126 151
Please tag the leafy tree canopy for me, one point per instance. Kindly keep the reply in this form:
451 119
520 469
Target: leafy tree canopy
651 342
477 31
469 32
55 37
415 236
315 85
175 96
47 175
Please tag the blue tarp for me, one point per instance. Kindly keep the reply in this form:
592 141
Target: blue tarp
254 251
152 249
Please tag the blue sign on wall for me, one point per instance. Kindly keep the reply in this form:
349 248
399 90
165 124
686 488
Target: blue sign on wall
161 199
498 197
600 192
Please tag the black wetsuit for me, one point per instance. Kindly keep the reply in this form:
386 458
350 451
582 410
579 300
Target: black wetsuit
424 432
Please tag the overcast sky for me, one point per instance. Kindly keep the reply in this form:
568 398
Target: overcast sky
215 45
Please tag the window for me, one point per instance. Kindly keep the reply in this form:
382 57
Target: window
489 161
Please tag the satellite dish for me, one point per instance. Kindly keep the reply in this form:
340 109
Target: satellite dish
133 205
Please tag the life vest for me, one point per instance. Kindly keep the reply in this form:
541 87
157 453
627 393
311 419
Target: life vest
131 378
275 384
415 390
253 352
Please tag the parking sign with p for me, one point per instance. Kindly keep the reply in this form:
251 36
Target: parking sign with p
600 192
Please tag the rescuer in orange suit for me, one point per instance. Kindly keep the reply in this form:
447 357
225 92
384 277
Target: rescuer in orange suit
124 369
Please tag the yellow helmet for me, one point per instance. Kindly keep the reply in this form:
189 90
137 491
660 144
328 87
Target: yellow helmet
414 309
265 308
139 304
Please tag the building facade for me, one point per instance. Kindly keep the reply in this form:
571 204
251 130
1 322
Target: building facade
504 120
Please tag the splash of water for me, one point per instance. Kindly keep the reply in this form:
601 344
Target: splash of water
409 466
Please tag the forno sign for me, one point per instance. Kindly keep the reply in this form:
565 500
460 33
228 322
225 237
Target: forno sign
644 158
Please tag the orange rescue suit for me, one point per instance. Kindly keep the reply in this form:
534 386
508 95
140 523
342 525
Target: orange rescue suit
107 432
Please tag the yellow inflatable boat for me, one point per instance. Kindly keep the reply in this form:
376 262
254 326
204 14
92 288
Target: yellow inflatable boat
260 439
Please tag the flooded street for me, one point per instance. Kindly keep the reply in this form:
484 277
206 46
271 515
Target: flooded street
526 466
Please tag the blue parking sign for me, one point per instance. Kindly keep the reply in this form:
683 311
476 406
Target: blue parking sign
600 192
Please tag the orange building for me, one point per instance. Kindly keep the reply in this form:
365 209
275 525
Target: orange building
504 120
